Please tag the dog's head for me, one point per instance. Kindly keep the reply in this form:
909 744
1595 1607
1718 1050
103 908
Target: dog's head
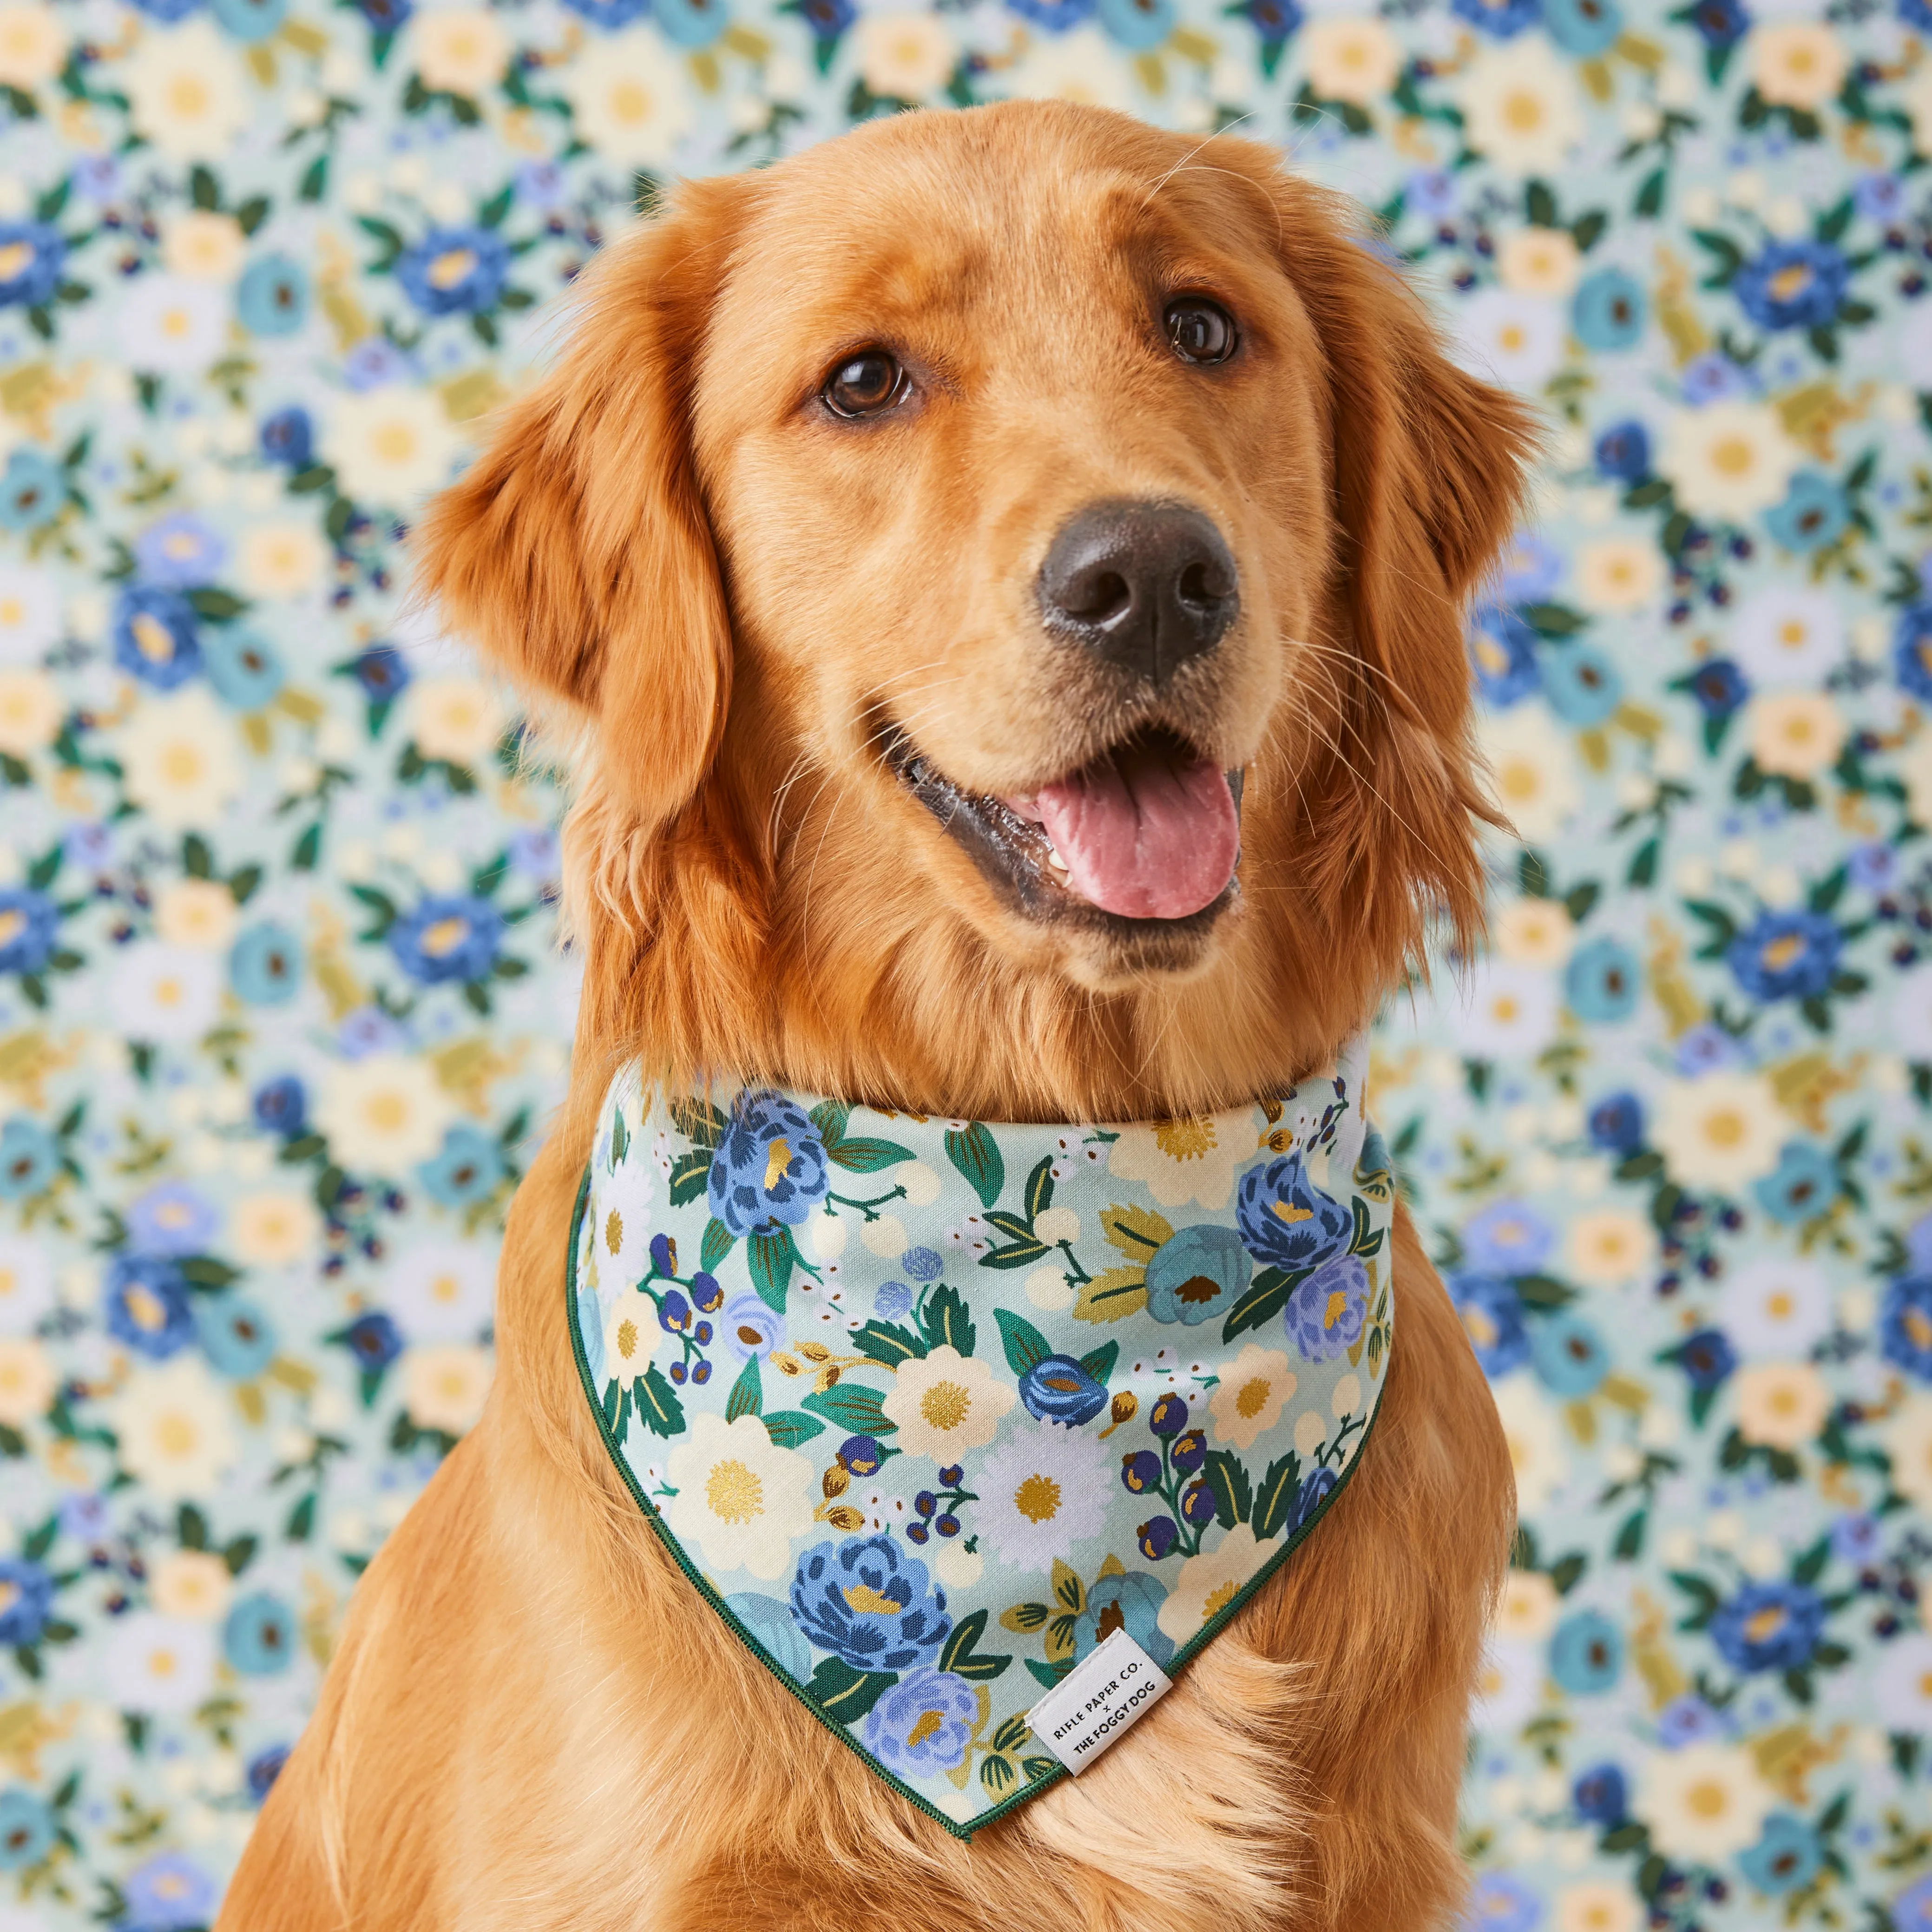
1015 549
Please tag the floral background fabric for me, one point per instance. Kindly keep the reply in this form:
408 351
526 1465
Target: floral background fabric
896 1392
279 1017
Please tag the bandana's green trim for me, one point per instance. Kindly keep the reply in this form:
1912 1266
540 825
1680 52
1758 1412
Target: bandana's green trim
1183 1655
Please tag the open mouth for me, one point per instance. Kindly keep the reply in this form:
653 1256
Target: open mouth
1148 833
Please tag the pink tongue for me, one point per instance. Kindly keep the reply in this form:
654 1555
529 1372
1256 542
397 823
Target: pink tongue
1156 841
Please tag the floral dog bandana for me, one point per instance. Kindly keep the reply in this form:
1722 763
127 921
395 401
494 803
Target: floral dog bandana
927 1410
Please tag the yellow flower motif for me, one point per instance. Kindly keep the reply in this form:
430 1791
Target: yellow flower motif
1797 63
1209 1582
1247 1401
740 1498
632 1336
944 1403
1534 932
1351 57
1795 734
1781 1405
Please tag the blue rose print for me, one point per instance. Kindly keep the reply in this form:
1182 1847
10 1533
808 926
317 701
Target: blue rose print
769 1169
1325 1315
448 938
1128 1601
1786 1858
146 1305
1793 285
28 1826
1905 1324
1285 1220
29 926
32 255
454 270
1571 1360
923 1723
1786 955
1198 1273
869 1604
1057 1389
238 1338
260 1637
26 1597
1586 1653
749 1327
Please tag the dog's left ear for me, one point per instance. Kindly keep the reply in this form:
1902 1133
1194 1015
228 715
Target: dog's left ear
576 550
1427 478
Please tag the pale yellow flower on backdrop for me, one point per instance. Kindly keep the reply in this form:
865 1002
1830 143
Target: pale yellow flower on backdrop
1796 63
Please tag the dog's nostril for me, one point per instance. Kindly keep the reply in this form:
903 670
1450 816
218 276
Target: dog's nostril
1098 597
1199 586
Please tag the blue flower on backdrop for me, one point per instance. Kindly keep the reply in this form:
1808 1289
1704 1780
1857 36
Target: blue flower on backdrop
146 1305
1793 285
459 270
1768 1626
32 491
1492 1318
155 637
29 927
274 296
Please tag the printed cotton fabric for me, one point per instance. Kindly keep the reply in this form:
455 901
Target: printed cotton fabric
929 1409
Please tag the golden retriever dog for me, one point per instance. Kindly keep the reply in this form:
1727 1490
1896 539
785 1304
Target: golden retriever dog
889 511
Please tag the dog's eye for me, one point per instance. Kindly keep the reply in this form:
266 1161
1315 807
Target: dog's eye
1198 330
869 381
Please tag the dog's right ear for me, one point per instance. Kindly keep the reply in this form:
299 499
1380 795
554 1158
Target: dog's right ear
576 550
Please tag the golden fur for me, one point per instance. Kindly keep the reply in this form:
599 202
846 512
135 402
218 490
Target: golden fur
726 600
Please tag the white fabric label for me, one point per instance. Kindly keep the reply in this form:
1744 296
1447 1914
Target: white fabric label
1082 1715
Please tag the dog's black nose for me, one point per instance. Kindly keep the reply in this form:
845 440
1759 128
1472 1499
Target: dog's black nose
1147 585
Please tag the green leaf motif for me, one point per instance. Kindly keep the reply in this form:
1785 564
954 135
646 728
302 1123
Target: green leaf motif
1267 1295
718 1242
973 1150
1227 1481
770 1259
1039 1190
946 1322
1366 1238
845 1694
886 1343
688 1173
747 1392
1274 1501
699 1121
790 1427
852 1407
869 1156
1016 1254
659 1408
958 1655
1099 1362
1026 1347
